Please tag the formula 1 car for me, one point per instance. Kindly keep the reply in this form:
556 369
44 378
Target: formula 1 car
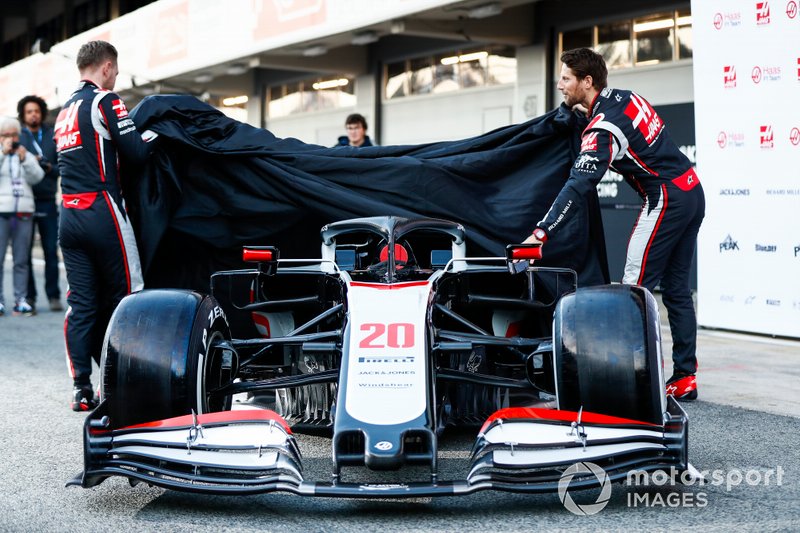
388 340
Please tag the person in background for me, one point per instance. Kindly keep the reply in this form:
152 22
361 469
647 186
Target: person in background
356 127
94 137
19 170
37 137
627 135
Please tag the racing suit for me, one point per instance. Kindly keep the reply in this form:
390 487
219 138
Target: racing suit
626 135
93 133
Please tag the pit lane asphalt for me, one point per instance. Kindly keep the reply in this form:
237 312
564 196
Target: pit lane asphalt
40 449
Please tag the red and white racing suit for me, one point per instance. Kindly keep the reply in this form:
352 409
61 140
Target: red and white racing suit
626 135
92 133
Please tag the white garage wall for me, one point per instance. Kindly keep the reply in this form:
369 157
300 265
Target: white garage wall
455 115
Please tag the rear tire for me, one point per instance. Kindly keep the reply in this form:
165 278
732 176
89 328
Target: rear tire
158 360
607 353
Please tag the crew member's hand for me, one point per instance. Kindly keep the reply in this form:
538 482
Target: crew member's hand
21 151
581 108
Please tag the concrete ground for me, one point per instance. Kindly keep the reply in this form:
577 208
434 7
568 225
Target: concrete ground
741 370
750 371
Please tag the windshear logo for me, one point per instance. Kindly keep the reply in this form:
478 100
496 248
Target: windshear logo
583 470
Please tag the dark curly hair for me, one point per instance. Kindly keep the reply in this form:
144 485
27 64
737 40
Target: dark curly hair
586 62
25 101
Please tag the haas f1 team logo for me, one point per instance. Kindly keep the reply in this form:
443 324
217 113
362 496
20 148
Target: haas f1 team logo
644 117
729 76
67 133
767 137
762 13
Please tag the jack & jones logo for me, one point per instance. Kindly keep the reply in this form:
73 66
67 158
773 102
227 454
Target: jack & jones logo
729 76
734 192
728 244
762 13
767 137
766 248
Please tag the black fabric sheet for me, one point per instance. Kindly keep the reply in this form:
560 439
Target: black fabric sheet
214 184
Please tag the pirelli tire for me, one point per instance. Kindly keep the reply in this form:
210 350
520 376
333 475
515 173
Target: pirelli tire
607 353
160 360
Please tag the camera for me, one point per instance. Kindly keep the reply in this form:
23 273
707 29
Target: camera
14 146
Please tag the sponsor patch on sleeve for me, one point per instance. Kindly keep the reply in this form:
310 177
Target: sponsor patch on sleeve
589 142
119 108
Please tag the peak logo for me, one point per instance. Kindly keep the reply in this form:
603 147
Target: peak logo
791 9
762 13
767 138
797 250
729 76
728 244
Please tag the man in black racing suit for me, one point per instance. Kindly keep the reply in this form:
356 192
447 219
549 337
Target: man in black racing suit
93 134
626 135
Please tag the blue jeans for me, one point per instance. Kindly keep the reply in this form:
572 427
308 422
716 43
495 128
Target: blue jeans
46 220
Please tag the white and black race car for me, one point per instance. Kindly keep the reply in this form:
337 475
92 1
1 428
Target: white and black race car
384 343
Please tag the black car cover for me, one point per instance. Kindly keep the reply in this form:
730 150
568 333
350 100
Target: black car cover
214 184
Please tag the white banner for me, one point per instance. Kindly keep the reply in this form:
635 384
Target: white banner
746 84
172 37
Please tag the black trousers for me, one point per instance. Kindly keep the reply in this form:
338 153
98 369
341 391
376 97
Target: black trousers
102 264
660 251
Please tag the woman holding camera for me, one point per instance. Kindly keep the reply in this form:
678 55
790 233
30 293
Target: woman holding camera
18 172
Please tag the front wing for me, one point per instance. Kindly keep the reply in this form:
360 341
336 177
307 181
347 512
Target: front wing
254 451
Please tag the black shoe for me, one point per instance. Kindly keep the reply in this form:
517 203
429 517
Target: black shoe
83 398
683 387
55 304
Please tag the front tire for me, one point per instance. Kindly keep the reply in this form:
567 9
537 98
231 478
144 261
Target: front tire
607 353
160 360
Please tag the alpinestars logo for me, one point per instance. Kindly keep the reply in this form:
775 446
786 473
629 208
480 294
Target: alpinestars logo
767 138
728 244
762 13
729 76
644 117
